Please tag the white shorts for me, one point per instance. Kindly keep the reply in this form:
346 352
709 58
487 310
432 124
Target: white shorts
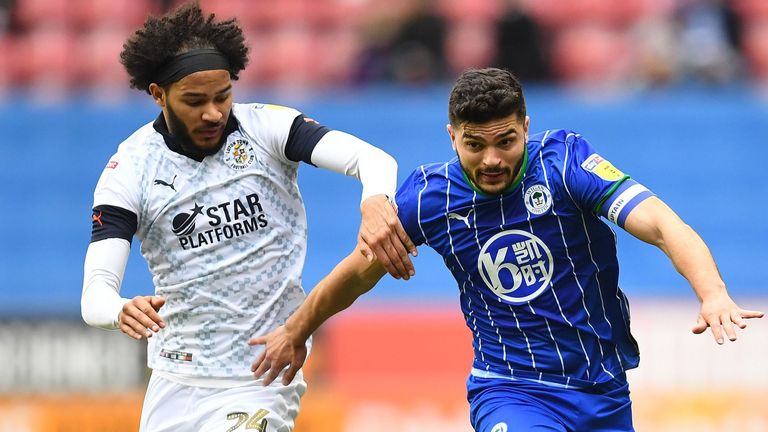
170 406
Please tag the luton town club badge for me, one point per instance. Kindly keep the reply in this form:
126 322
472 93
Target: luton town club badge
239 154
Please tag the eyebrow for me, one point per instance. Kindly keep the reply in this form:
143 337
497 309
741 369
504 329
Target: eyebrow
195 94
509 131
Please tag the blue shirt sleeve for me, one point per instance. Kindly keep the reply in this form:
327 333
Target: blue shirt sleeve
598 186
408 199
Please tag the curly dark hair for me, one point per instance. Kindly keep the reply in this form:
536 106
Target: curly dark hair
181 30
483 95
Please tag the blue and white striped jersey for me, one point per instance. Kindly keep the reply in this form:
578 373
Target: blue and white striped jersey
536 267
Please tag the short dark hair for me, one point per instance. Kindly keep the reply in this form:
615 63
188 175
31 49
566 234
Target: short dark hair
184 29
483 95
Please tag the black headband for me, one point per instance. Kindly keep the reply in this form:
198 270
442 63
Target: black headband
190 62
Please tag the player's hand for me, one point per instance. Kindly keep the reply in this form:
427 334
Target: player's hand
382 237
139 317
720 313
281 349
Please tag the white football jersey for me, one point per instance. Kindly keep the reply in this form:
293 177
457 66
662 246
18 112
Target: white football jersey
225 239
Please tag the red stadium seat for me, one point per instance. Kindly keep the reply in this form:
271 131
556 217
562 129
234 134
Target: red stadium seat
43 13
225 9
258 54
99 58
751 9
256 15
469 45
333 54
590 54
117 13
756 49
45 57
550 13
336 13
558 13
290 54
470 10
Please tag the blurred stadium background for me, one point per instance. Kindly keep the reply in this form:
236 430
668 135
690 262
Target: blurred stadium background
671 91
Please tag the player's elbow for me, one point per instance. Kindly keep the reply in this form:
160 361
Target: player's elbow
87 315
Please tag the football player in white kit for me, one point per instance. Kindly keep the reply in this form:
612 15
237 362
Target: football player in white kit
209 188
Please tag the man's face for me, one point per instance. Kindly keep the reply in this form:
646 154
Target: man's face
197 107
491 153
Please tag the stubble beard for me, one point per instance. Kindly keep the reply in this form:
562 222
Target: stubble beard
180 131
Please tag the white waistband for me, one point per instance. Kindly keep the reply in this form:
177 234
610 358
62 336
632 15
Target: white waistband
206 382
488 374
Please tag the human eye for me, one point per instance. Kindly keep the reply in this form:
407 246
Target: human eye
507 141
472 145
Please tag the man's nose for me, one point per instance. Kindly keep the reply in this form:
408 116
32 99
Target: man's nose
212 114
491 158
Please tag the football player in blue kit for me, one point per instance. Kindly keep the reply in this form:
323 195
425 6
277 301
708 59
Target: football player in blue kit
517 220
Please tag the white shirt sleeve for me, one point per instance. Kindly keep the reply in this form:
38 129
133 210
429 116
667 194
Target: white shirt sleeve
104 268
344 153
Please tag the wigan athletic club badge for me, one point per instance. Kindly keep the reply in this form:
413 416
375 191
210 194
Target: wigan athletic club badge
538 199
239 154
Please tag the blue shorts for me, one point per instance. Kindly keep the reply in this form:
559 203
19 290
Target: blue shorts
501 405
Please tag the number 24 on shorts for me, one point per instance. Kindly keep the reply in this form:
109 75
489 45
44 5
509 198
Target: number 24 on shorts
257 421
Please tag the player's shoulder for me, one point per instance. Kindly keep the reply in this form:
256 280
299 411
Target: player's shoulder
556 142
140 142
432 169
555 138
424 188
426 174
258 112
433 178
264 121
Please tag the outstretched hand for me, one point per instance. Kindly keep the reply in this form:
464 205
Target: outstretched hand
139 317
383 237
720 314
281 349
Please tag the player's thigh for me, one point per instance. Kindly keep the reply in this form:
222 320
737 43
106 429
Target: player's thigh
608 411
171 407
253 408
168 406
512 408
514 416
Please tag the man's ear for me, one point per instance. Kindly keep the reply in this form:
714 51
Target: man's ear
158 94
527 123
452 134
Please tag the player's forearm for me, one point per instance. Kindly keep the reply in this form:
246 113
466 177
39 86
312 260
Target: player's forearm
103 270
692 259
349 155
350 279
652 221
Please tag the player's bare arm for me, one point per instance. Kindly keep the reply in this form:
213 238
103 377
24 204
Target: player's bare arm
654 222
286 346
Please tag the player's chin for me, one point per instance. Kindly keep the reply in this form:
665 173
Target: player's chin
493 188
208 144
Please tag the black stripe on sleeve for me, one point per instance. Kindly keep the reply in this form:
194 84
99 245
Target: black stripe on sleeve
113 222
304 135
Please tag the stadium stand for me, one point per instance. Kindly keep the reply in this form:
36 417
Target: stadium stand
319 43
